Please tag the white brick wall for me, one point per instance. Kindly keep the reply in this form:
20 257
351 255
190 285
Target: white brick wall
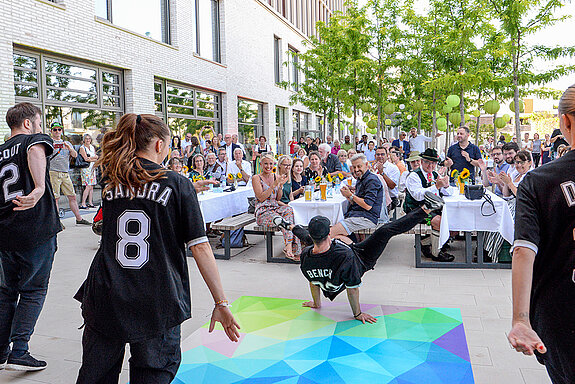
70 29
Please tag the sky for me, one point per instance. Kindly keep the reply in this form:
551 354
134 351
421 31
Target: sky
560 34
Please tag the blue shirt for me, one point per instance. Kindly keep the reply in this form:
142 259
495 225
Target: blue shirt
369 154
369 188
498 169
459 162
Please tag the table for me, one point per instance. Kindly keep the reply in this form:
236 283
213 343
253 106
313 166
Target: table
333 208
216 206
461 214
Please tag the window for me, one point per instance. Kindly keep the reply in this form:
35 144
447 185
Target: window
250 119
277 59
293 69
151 18
185 108
206 14
281 142
81 96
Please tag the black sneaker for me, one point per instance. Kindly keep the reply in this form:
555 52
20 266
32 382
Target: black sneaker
280 222
443 257
83 222
433 202
25 363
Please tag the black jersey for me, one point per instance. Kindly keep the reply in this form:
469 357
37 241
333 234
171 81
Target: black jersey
138 284
333 271
545 223
22 230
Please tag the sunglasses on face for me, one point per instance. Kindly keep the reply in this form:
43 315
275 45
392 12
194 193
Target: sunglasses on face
56 129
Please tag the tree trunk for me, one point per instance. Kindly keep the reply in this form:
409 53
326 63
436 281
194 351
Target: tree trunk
447 134
419 122
461 108
516 88
354 117
433 120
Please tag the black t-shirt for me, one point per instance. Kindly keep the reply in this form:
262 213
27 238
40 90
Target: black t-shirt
23 230
545 223
333 271
558 142
138 284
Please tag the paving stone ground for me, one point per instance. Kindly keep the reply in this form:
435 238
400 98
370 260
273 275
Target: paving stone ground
484 297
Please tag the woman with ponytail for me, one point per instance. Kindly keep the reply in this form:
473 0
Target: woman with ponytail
543 277
138 289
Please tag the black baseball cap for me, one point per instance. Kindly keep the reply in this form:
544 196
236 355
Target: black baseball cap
318 227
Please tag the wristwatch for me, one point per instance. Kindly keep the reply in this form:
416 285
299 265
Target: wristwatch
351 198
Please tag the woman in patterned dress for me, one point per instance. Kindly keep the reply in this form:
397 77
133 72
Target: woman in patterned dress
268 191
88 152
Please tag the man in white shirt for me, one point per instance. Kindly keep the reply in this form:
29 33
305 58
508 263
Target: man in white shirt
229 146
390 174
417 142
329 141
186 142
418 182
235 141
240 165
222 160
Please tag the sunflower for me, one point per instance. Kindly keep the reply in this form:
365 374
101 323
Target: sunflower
239 175
194 179
329 178
231 177
465 173
274 170
340 175
454 173
185 169
318 179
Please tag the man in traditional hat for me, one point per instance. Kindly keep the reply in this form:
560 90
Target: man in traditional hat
422 180
414 162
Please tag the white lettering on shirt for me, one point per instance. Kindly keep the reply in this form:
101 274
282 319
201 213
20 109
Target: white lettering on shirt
568 189
148 191
154 188
10 152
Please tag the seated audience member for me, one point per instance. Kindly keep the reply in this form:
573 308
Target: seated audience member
284 169
302 154
370 152
315 168
310 146
222 160
509 152
175 164
198 169
336 147
239 165
424 179
488 176
268 192
390 174
214 168
414 161
298 179
296 148
365 201
347 145
343 160
523 163
328 160
396 158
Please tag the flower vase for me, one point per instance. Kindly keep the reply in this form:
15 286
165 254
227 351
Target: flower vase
235 183
462 188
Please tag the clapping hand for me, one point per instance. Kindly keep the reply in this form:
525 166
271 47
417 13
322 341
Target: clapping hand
345 191
504 178
466 156
442 182
448 162
481 164
281 180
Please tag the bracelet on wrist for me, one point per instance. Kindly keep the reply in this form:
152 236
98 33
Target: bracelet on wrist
355 316
222 303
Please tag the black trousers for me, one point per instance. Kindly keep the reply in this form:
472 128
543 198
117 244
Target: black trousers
153 361
371 248
536 158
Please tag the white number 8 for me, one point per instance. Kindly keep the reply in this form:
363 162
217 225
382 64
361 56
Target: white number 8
137 239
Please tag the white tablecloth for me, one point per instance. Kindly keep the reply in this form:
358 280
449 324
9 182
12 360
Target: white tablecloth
461 214
216 206
332 208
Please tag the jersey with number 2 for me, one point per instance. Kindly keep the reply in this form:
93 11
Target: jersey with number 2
138 285
23 230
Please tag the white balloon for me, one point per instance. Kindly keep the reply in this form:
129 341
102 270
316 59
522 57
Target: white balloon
409 117
401 106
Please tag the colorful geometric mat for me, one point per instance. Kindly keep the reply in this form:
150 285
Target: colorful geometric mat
285 343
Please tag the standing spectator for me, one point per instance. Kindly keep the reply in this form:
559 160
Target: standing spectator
28 227
317 142
207 136
344 161
488 176
463 154
557 139
302 154
362 146
347 145
213 168
268 191
488 146
186 143
239 165
402 144
292 143
193 149
315 168
59 172
390 174
336 147
298 179
229 146
357 143
88 152
501 141
176 144
328 160
284 169
302 142
310 145
546 148
536 149
328 141
417 142
235 141
259 150
370 151
221 141
526 143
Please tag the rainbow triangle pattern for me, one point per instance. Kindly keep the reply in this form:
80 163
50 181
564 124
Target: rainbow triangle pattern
282 342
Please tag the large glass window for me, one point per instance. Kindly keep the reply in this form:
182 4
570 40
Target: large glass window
302 125
151 18
83 97
206 14
293 69
185 108
250 121
277 59
281 142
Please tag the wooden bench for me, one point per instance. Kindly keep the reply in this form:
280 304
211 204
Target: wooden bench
269 232
229 224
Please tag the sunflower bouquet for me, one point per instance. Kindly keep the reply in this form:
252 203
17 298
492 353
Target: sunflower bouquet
461 178
234 178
